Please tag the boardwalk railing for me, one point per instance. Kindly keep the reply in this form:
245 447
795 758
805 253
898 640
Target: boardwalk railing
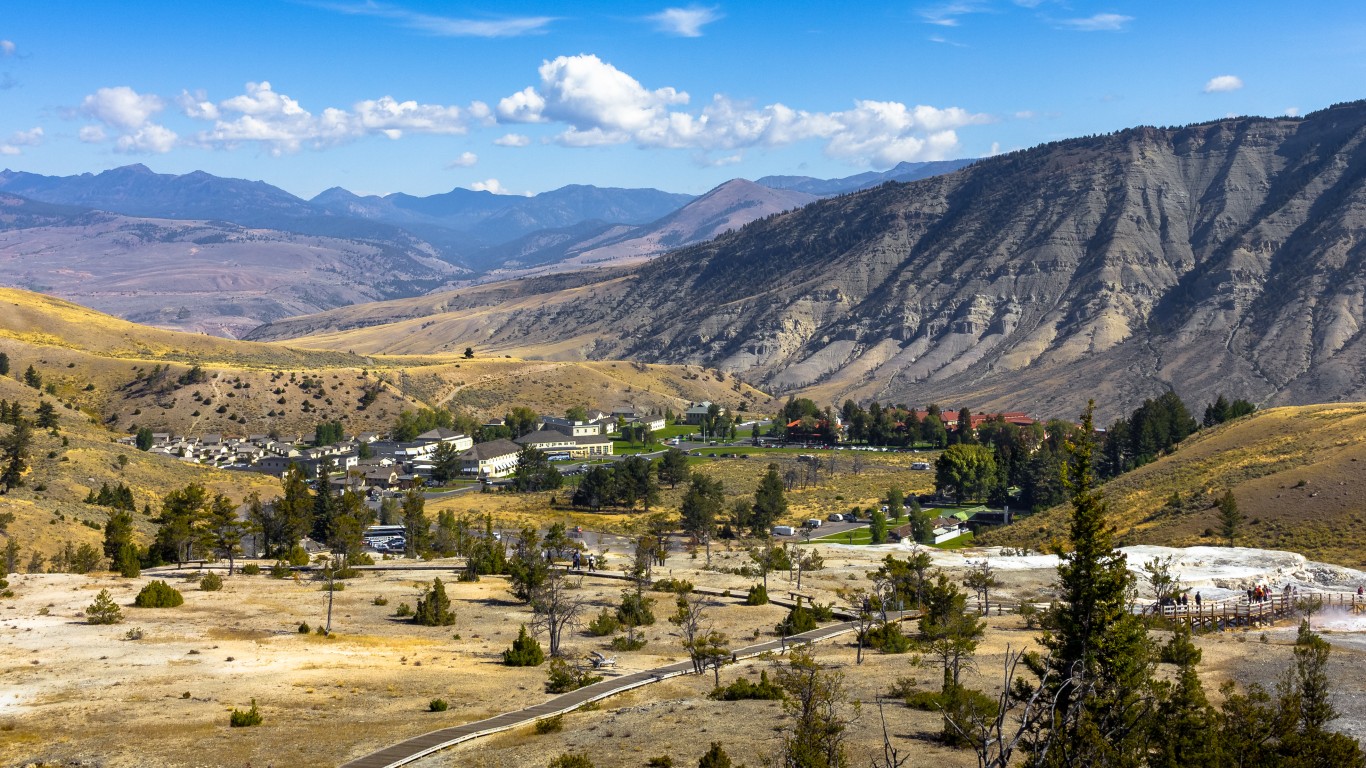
1241 612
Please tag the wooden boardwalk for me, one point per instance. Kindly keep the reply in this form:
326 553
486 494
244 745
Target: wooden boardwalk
420 746
1240 612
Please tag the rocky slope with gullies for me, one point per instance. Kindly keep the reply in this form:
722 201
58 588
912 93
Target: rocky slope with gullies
1226 256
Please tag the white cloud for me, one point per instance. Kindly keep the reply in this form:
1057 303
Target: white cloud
512 140
1292 111
1101 22
685 22
946 14
197 106
600 105
7 48
262 114
149 139
121 107
490 185
1223 84
91 134
465 160
445 26
30 138
6 149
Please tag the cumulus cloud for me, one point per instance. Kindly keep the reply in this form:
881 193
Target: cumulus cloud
446 26
1101 22
197 106
130 114
30 138
490 185
512 140
262 114
7 48
599 105
121 107
1223 84
151 138
1292 111
685 22
465 160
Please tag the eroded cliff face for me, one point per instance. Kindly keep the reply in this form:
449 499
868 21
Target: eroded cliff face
1219 257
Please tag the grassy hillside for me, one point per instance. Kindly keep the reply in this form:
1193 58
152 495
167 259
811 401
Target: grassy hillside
127 375
49 509
1298 473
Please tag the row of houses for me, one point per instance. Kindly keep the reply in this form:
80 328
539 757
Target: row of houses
395 465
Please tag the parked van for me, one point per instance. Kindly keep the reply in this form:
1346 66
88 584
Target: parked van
783 530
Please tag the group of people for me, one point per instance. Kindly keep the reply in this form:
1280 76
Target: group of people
580 560
1183 600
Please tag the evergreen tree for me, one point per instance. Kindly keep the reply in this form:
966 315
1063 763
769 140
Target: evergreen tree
702 508
325 503
14 454
33 378
294 507
118 533
672 467
46 415
434 607
144 439
1230 519
770 502
4 364
181 523
896 503
1185 731
877 529
534 472
525 651
223 530
1100 657
417 530
715 757
445 463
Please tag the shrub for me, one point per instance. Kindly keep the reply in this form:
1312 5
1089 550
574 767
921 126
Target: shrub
380 600
158 594
628 643
887 638
570 760
799 619
251 569
550 725
1030 614
525 651
715 758
280 570
605 624
742 689
333 586
758 595
133 634
434 607
104 610
678 586
663 761
437 705
403 610
360 558
298 555
304 628
635 610
563 677
211 582
240 719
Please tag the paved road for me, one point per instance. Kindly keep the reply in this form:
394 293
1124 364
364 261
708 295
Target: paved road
420 746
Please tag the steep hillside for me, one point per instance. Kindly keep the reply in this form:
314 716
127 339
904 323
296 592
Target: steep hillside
1298 474
903 171
205 276
1226 257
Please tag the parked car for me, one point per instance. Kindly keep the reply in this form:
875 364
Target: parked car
814 522
850 517
835 517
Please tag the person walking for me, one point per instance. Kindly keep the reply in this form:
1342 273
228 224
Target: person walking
1197 601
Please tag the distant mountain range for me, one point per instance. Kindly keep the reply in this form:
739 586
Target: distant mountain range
1223 257
479 231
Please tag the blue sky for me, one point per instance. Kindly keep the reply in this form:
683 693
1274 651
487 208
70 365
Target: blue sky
421 97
